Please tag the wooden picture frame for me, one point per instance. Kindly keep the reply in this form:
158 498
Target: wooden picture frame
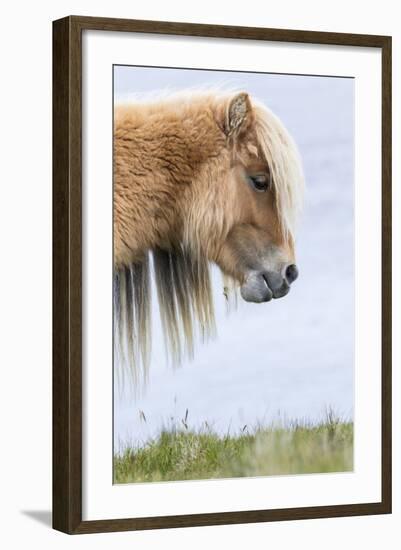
67 274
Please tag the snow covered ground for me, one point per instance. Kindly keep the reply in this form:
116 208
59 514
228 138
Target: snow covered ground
293 357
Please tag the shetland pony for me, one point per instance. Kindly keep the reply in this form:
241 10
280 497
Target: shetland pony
199 178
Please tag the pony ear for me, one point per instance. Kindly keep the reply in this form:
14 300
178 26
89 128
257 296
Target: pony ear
238 112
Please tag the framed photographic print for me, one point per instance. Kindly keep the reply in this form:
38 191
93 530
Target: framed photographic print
222 274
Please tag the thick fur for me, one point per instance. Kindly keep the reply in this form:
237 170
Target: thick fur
179 195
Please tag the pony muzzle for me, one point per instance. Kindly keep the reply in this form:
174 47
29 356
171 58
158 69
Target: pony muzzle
263 286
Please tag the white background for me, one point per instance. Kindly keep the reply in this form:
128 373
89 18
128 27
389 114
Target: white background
25 291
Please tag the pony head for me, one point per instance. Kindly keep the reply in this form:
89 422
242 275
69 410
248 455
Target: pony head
243 203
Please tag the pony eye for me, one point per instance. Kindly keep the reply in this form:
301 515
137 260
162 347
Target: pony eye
260 182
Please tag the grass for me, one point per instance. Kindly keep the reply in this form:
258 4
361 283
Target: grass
183 454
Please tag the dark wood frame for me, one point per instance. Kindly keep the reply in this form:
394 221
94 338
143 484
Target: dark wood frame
67 261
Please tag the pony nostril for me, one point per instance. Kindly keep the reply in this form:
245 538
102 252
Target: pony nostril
291 273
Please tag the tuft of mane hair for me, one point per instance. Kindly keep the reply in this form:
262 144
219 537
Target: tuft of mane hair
184 294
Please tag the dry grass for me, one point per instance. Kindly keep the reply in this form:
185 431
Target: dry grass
183 454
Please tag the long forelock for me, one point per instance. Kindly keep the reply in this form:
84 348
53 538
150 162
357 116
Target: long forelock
282 156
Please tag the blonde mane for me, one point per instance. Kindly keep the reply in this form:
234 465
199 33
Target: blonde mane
181 273
281 154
